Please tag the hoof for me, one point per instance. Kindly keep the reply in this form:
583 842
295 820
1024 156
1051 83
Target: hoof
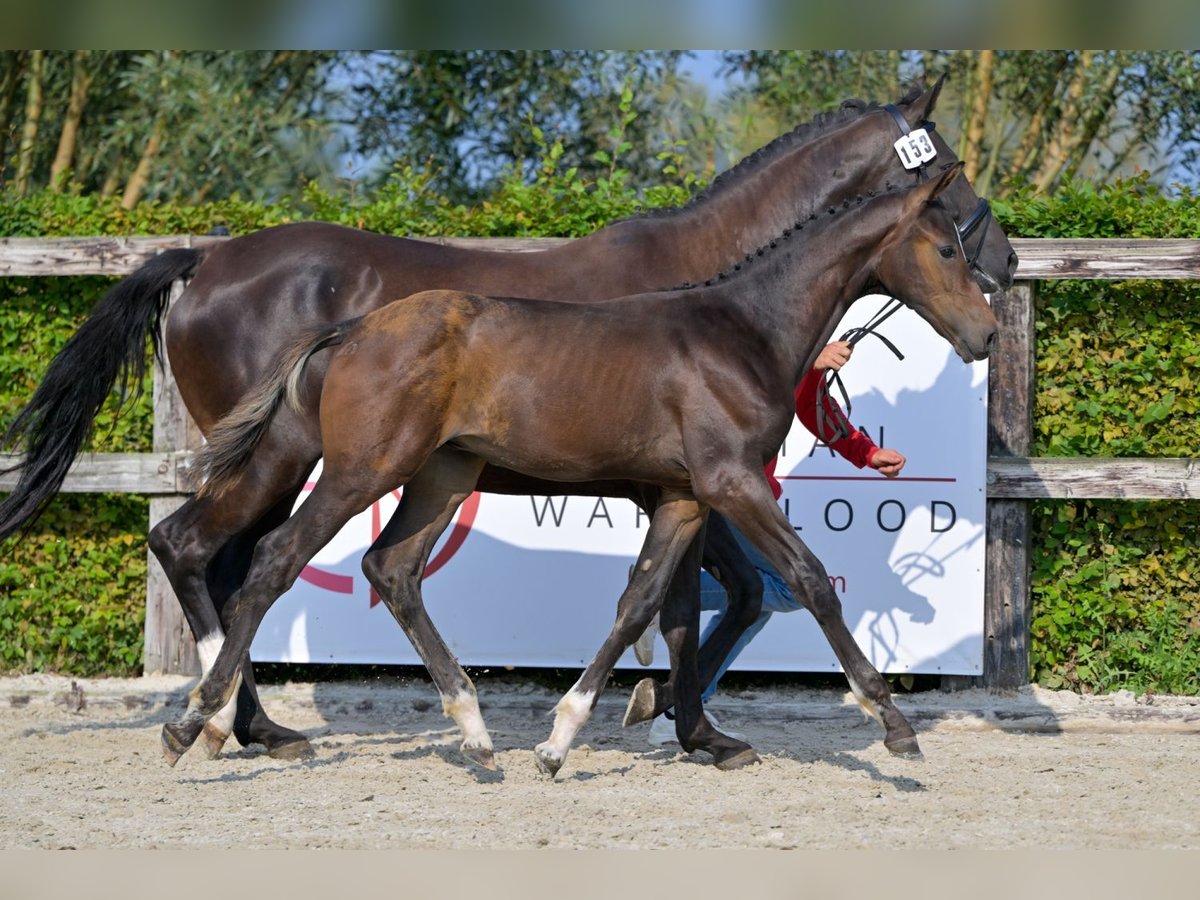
548 760
738 760
642 703
211 741
292 750
905 747
481 756
172 746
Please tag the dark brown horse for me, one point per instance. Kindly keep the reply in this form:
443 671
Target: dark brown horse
251 296
688 391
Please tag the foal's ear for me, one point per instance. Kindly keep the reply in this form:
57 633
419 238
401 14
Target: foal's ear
945 179
921 194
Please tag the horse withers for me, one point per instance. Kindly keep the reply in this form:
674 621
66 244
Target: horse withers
689 391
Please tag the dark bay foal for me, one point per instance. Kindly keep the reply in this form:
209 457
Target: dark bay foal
689 391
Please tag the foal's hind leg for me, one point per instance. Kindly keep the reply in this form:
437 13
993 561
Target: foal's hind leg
394 566
727 562
676 522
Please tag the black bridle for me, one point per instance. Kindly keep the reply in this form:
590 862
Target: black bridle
981 215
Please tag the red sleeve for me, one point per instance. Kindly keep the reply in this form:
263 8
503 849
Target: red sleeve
857 448
776 488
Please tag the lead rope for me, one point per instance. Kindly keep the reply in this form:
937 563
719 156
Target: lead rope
840 427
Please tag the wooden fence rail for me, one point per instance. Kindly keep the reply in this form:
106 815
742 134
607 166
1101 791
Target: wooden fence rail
1013 477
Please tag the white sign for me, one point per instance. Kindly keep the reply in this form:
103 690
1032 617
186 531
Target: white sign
533 581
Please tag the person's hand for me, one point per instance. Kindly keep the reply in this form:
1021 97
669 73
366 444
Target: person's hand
834 356
887 462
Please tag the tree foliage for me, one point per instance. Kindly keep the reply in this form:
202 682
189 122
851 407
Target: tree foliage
1022 117
465 115
196 126
159 124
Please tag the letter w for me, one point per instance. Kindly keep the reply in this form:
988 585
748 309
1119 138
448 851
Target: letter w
548 504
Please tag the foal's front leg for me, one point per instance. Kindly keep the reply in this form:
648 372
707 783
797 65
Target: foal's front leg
756 514
676 522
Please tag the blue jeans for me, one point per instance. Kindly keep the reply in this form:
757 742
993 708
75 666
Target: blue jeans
777 597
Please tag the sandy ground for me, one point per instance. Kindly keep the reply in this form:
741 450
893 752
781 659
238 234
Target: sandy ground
1033 769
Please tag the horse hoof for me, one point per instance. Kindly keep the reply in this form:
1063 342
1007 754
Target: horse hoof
481 756
738 760
211 741
292 750
548 760
172 746
642 703
905 748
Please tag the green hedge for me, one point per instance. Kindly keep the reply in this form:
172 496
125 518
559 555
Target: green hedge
1114 584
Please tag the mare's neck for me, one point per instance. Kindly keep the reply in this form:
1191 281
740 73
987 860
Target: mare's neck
737 218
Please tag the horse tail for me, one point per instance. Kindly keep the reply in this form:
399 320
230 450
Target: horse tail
107 350
232 441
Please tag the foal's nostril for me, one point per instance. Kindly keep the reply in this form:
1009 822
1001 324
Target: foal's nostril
990 344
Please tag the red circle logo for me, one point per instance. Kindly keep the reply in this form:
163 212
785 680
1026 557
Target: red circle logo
344 584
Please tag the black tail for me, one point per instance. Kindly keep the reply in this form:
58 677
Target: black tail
109 348
231 442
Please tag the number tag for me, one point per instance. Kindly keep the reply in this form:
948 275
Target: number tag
915 148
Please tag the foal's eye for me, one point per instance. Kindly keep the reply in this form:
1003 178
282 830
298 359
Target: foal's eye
947 252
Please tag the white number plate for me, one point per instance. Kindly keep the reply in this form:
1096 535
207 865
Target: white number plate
915 148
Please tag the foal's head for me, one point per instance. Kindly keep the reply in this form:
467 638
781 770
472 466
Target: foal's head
923 265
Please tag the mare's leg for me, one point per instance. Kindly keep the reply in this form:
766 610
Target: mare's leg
676 522
752 509
395 564
680 619
727 563
278 560
186 544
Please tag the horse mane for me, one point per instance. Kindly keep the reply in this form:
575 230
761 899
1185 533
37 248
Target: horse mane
764 156
785 237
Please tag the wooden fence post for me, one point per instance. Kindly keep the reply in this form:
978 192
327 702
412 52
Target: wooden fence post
1006 611
170 647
